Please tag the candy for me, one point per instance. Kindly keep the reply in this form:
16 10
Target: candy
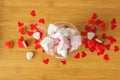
47 43
90 35
76 41
29 55
98 40
52 29
9 44
72 31
36 35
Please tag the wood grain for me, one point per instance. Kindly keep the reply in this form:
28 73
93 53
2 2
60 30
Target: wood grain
13 64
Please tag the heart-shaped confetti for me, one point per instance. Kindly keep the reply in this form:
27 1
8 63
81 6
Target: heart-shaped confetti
46 61
91 22
33 13
21 38
106 57
20 44
41 20
98 22
108 46
83 54
22 30
116 48
102 26
113 21
77 56
37 46
94 16
104 36
99 47
20 24
30 33
91 43
113 27
33 26
112 39
87 28
83 33
9 44
63 62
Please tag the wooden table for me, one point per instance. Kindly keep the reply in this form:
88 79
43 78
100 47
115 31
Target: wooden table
13 64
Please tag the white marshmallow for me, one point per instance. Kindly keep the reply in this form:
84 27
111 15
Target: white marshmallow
61 32
47 43
72 31
29 55
36 35
90 35
63 53
52 29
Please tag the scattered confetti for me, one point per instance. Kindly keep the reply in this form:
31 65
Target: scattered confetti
116 48
9 44
30 33
22 30
42 20
46 61
83 54
20 24
106 57
63 62
33 13
77 56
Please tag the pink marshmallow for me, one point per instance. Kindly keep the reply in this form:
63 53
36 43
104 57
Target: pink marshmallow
76 41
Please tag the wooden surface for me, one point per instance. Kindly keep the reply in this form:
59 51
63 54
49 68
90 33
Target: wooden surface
13 64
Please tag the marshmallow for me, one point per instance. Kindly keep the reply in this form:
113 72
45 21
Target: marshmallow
52 29
61 32
36 35
47 43
63 53
72 31
29 55
76 41
90 35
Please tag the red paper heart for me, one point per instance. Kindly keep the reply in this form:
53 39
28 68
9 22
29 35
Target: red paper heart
108 46
83 33
37 46
33 13
77 56
112 39
22 30
21 38
99 47
20 24
9 44
87 28
91 22
91 43
113 27
100 53
42 20
92 49
94 16
102 26
116 48
30 33
104 36
33 26
106 57
83 54
63 62
36 41
98 22
46 61
113 21
20 44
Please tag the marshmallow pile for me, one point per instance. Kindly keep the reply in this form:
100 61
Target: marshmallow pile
61 40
